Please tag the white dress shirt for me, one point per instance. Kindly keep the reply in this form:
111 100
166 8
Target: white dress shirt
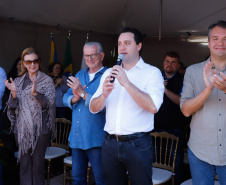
123 115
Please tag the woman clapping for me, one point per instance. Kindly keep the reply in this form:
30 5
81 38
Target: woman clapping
31 111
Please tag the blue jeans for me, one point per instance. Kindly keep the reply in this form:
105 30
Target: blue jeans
80 159
134 156
203 173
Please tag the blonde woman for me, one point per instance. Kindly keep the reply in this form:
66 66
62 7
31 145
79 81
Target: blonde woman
31 111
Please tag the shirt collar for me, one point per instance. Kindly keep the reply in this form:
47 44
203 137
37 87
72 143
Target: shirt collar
140 64
166 77
101 71
213 66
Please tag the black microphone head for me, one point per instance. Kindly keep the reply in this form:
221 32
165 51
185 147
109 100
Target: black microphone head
120 59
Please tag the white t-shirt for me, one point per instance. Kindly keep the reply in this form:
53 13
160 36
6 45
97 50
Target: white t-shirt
91 75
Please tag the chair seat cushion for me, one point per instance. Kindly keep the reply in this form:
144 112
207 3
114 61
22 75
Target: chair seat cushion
68 160
53 152
16 154
189 182
160 176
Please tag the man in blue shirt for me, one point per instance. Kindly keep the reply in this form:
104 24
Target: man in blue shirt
2 90
87 132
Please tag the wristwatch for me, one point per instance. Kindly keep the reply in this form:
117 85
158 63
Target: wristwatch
83 94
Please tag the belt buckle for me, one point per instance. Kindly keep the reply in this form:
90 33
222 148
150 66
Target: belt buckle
116 136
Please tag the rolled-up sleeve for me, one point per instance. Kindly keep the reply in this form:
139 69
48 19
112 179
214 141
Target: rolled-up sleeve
155 87
67 99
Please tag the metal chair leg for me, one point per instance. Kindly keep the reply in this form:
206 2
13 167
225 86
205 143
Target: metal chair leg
48 173
65 171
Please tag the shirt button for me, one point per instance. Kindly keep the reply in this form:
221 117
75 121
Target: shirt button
219 129
77 121
220 144
87 87
79 110
219 99
219 114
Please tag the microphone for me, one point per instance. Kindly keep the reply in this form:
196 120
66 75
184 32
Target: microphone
119 61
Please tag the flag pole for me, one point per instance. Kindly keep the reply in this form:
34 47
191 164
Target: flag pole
69 34
68 69
87 37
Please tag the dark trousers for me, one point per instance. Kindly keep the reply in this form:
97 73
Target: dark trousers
134 157
64 112
32 166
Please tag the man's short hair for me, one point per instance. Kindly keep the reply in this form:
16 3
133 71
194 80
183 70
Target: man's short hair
221 24
97 44
137 34
173 54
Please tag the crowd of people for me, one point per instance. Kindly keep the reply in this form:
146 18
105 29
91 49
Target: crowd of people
115 109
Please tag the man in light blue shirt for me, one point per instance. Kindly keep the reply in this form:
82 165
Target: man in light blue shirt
86 136
2 90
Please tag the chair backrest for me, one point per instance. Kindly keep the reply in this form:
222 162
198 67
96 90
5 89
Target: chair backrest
63 128
165 150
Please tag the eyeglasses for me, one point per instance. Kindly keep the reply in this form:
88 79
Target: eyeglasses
57 68
35 62
92 56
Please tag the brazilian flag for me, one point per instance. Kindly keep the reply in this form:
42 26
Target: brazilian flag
53 54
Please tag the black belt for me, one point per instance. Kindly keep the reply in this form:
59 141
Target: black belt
128 137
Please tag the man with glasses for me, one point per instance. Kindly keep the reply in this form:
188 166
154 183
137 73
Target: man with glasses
87 132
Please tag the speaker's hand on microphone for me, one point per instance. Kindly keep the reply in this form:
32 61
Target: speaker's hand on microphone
119 73
108 86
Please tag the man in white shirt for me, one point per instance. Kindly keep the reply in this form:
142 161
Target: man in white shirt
131 101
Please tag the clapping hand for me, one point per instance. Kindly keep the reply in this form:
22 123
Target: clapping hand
207 75
33 89
11 86
75 84
220 81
